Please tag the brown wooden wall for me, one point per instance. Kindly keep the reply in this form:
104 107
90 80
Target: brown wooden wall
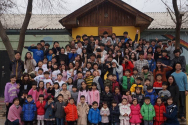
116 16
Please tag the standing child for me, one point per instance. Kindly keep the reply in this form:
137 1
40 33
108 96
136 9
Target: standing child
23 97
146 84
69 84
106 96
147 111
82 109
114 113
94 116
164 93
97 79
79 80
59 79
159 110
108 81
151 94
125 111
39 77
47 79
105 112
135 116
85 92
49 114
127 95
55 72
138 84
127 81
33 91
66 94
94 94
157 85
40 109
29 111
71 112
74 94
117 95
42 90
115 83
139 96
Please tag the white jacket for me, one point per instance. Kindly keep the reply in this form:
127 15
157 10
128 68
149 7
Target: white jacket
124 109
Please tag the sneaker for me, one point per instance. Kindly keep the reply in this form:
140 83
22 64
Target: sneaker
183 119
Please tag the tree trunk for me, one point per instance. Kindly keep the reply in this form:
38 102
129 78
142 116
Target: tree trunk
6 42
178 28
25 25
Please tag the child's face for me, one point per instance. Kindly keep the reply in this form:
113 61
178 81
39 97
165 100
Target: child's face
55 86
29 99
159 101
41 98
16 102
135 72
74 89
59 77
170 101
135 102
46 76
83 85
24 95
127 73
107 89
164 54
94 87
64 87
114 104
164 87
147 82
55 66
40 72
79 75
110 77
69 80
60 98
124 101
147 101
138 81
95 73
114 78
149 56
40 64
41 85
50 100
145 70
82 100
71 101
88 74
45 61
138 91
95 106
128 93
159 78
105 106
13 80
26 78
50 52
34 87
116 90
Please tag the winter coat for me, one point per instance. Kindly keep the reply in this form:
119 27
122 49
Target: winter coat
114 114
171 115
94 116
106 97
94 96
66 95
86 94
148 112
105 119
152 65
71 112
108 82
159 110
49 113
82 113
165 60
124 109
29 109
118 70
153 96
174 90
99 81
149 76
59 110
129 65
38 55
139 97
133 88
118 98
135 116
125 85
114 84
180 59
17 68
40 107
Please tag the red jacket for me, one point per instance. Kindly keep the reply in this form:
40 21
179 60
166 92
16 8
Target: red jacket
40 107
114 84
71 112
159 110
157 85
129 65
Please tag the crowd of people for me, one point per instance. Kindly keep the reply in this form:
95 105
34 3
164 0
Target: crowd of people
104 80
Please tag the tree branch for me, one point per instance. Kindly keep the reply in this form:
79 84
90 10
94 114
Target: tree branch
171 16
170 10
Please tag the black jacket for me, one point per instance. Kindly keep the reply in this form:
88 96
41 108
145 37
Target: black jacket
106 97
62 57
140 98
174 90
181 60
22 84
56 49
114 114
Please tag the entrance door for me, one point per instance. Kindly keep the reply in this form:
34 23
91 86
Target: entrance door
4 70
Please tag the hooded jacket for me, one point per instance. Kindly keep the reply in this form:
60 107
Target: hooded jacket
135 114
148 112
71 112
114 114
159 110
105 119
118 69
94 116
153 96
124 109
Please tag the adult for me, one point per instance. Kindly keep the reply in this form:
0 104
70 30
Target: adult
106 38
127 64
30 63
25 83
181 80
17 67
146 74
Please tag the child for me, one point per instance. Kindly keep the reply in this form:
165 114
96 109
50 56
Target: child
79 80
15 112
97 79
29 111
159 110
151 93
40 64
55 72
147 111
34 92
139 96
85 92
157 85
40 109
105 112
59 110
82 109
47 79
11 91
74 94
127 81
42 90
114 113
108 81
115 83
164 93
23 97
49 114
125 111
38 53
117 95
94 114
127 95
135 116
138 84
71 112
66 94
135 73
56 91
146 84
171 113
106 96
94 94
50 55
40 76
89 79
59 79
69 84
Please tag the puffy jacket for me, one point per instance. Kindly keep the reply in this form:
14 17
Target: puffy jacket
125 85
108 82
171 115
133 88
114 84
124 109
49 114
40 108
148 112
153 96
29 109
129 65
94 116
106 97
140 98
180 59
135 114
159 110
114 114
17 68
71 112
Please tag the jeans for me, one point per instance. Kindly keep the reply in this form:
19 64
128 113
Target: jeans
104 123
148 122
182 104
114 123
28 122
16 122
59 121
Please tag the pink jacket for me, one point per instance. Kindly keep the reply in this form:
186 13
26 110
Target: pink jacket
135 116
86 94
44 92
14 113
94 96
129 98
34 94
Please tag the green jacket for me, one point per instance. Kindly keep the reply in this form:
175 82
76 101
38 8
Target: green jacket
124 83
148 112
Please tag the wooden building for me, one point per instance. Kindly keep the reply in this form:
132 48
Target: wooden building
114 16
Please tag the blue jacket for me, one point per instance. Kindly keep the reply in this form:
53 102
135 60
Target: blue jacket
38 55
94 116
29 111
153 96
152 65
49 112
165 61
171 115
114 114
49 57
72 56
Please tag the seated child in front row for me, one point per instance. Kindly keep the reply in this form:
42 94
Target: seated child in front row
151 93
94 116
125 111
147 111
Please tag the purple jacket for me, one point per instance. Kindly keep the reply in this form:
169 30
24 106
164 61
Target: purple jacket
10 92
118 98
